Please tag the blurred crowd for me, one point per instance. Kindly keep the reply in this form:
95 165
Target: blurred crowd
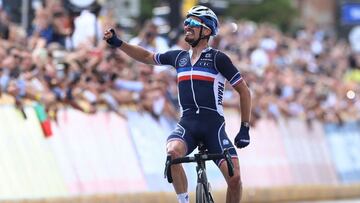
62 61
311 74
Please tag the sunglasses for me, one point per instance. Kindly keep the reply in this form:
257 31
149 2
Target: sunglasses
194 23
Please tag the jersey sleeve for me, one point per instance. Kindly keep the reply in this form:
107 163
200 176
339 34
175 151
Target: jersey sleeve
227 69
167 58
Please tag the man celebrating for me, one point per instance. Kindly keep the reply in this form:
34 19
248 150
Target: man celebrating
201 74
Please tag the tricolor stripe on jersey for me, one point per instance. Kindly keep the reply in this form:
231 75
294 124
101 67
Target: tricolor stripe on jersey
196 73
156 58
236 79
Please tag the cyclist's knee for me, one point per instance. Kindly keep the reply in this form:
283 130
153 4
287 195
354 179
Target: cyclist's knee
234 183
176 149
174 153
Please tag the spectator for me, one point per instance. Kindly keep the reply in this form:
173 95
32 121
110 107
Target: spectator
4 25
149 39
88 29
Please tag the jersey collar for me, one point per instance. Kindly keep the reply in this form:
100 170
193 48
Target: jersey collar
203 51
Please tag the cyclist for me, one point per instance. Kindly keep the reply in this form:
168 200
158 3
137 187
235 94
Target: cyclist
201 74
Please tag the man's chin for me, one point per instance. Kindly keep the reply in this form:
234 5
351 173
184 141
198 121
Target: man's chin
189 40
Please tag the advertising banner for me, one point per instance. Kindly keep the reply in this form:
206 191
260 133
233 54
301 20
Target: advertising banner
96 153
27 166
344 143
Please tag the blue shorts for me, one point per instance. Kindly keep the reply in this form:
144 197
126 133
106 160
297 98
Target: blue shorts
207 127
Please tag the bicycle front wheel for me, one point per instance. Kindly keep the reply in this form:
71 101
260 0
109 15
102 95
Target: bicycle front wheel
200 193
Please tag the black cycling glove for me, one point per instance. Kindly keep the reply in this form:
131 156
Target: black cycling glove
242 139
114 41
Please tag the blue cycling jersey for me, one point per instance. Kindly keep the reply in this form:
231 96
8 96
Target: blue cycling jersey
201 85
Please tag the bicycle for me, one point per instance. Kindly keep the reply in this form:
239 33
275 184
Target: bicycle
203 194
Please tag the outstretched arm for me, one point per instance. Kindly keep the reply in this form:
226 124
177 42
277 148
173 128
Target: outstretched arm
136 52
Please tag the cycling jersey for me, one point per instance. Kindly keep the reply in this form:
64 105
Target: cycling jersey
201 85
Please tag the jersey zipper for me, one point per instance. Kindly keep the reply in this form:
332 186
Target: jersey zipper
193 91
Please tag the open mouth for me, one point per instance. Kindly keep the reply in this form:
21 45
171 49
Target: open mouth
189 32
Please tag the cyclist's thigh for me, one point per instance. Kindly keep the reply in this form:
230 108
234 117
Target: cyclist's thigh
182 133
216 139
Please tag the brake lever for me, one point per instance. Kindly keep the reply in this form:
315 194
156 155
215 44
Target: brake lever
230 164
167 171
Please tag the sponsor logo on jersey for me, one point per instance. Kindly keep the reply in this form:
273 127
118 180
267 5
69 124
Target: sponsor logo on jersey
204 64
208 55
225 142
183 62
221 88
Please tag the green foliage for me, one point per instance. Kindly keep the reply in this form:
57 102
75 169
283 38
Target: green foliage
278 12
146 7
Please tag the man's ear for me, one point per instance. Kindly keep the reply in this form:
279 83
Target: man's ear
206 32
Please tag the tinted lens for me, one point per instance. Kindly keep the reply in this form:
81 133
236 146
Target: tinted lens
192 23
187 22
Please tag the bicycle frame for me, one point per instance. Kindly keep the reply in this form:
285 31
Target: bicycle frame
202 179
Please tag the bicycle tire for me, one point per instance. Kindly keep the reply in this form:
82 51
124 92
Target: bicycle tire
200 193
